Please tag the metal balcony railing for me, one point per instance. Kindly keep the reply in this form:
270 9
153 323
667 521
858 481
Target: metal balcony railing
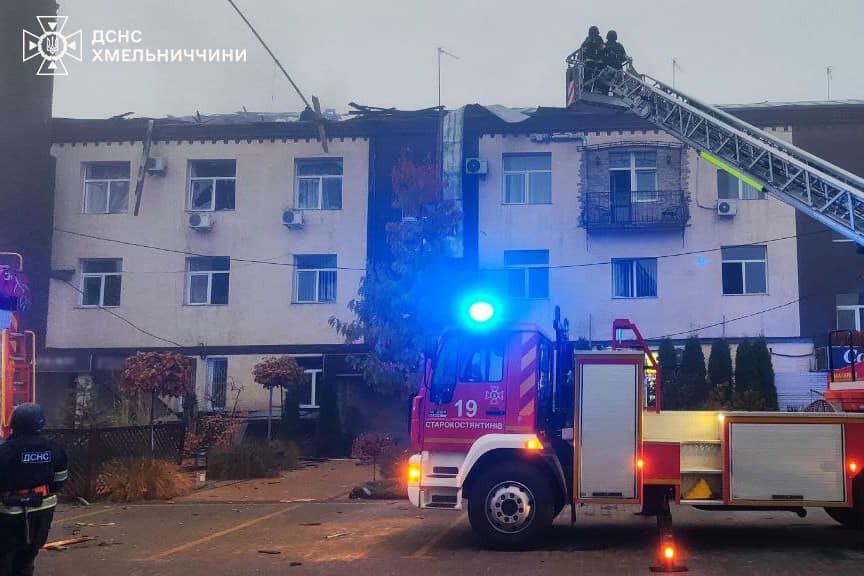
661 209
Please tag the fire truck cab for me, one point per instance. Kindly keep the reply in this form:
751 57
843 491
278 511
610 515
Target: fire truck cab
515 425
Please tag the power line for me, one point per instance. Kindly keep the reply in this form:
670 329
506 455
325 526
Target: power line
270 52
188 253
126 320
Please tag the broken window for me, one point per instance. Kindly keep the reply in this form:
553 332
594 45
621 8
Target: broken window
212 184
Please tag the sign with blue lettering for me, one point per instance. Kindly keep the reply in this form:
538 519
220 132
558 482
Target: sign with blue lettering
41 457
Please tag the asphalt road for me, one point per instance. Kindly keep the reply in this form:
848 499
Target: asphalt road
354 538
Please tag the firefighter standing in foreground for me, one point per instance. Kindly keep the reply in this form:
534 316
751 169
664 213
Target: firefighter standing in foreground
32 470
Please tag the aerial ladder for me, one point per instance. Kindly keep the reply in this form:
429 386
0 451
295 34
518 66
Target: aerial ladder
17 346
823 191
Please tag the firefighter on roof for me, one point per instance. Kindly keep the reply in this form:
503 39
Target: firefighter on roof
592 52
32 470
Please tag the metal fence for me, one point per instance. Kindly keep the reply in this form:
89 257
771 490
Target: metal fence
89 449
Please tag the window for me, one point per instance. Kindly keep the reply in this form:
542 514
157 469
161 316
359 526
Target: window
217 382
212 184
207 280
850 311
527 178
315 278
730 187
100 282
633 176
106 187
318 184
527 273
482 359
744 270
634 278
309 390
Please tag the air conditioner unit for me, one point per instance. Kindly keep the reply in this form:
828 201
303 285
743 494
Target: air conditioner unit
200 221
292 218
476 166
156 165
727 207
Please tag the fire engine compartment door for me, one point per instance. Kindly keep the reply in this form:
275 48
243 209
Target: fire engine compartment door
786 462
608 431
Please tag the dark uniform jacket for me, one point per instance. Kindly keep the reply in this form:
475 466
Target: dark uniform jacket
592 49
614 55
30 464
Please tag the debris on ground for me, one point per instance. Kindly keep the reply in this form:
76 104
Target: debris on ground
265 551
336 535
293 500
63 544
380 490
82 501
84 524
310 524
295 563
108 524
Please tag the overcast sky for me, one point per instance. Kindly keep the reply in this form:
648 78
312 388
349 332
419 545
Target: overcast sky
383 52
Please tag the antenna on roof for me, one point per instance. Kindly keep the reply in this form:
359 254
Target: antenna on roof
442 51
829 75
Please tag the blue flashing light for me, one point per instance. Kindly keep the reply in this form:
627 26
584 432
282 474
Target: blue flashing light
481 311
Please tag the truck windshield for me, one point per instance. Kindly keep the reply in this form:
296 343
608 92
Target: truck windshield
465 358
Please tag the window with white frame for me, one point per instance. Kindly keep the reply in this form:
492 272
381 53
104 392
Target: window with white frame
527 178
315 278
633 174
850 311
634 278
730 187
106 187
100 282
309 390
745 269
217 383
527 273
318 183
207 280
212 185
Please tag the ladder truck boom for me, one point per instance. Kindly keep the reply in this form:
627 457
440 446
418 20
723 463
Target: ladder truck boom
823 191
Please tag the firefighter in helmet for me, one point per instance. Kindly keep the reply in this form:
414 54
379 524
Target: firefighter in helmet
32 470
592 53
614 54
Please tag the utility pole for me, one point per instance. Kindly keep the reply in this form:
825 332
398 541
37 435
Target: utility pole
828 74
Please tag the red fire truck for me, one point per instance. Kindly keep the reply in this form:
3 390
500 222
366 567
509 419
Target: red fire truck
520 425
17 346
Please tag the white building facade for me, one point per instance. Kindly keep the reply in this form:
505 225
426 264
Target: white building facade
207 265
620 220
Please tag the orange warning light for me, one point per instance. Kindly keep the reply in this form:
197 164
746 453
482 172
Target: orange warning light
640 463
669 552
853 467
533 444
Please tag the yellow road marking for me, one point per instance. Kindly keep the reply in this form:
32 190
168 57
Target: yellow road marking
424 550
61 519
215 535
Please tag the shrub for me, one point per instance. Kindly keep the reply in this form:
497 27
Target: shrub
672 397
215 431
134 479
692 375
251 461
370 447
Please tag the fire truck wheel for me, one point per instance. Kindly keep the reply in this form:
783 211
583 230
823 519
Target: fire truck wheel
851 517
510 505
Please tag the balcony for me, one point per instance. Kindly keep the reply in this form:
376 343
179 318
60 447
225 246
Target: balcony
660 210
